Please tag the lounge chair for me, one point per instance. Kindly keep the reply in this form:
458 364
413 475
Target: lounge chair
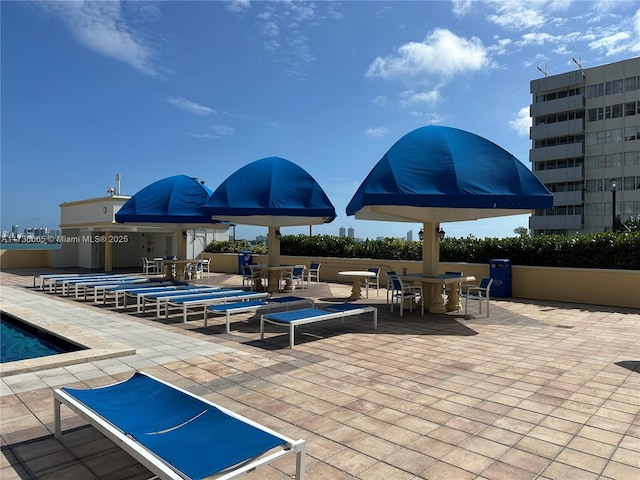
254 306
159 297
294 318
212 298
174 433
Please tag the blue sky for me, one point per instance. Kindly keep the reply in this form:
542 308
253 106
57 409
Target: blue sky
154 89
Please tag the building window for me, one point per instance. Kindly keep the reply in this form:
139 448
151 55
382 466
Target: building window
595 138
629 158
629 183
631 108
616 110
630 84
596 90
613 160
631 133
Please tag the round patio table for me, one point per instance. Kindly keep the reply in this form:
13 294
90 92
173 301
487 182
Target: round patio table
357 276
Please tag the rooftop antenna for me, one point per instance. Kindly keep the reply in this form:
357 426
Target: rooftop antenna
577 62
118 184
111 191
544 71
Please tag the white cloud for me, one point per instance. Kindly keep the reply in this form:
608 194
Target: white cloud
441 53
522 122
101 26
222 130
517 14
238 5
376 132
461 7
190 106
411 98
380 100
201 135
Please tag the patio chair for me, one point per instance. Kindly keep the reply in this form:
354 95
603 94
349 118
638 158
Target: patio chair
206 266
314 273
401 292
192 270
149 267
479 292
293 277
390 274
176 434
249 276
376 280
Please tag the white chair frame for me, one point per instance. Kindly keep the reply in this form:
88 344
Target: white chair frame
481 292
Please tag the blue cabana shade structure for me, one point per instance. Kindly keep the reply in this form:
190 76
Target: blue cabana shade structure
272 192
173 200
441 174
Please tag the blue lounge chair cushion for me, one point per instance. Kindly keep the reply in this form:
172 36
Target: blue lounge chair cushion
223 440
179 428
293 315
230 306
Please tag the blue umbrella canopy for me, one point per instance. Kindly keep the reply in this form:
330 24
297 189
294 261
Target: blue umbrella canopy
172 200
271 192
442 174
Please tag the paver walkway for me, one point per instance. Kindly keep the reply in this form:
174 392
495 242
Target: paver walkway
537 390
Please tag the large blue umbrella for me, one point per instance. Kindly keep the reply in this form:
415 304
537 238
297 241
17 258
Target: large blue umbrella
440 174
271 192
176 200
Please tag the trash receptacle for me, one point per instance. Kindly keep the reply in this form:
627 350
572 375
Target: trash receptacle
501 274
244 258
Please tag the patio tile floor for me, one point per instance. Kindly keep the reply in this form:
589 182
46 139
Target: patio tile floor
538 390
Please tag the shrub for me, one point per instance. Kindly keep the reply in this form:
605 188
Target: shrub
597 250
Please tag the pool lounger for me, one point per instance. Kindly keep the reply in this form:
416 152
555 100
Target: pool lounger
48 278
174 433
66 284
81 288
254 306
116 290
141 301
212 298
294 318
139 294
102 286
60 281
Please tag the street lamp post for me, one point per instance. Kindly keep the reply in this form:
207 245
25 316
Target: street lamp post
613 206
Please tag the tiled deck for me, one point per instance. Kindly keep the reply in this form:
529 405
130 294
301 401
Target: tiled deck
538 390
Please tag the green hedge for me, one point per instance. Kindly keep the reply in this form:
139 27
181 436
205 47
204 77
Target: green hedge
598 250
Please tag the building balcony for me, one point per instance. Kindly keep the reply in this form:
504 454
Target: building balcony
561 199
555 222
557 152
559 175
567 104
558 129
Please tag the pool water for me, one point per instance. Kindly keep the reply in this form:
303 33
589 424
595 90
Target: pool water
18 343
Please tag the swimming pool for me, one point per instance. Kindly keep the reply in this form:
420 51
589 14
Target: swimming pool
21 341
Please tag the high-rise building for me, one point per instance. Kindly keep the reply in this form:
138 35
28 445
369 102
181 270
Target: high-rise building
585 147
351 233
342 232
410 236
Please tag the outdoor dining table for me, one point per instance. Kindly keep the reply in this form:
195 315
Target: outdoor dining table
174 269
435 283
273 277
357 275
